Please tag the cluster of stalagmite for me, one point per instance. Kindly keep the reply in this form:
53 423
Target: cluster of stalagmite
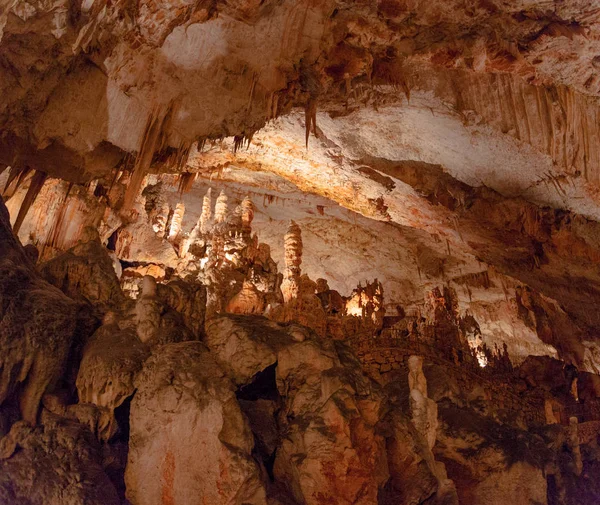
236 408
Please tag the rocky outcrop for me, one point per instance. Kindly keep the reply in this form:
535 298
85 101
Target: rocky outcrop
109 365
86 272
37 326
328 411
189 440
58 463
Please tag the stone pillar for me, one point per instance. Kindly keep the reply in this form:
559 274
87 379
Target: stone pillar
293 259
206 215
147 310
247 212
176 221
221 208
159 221
423 409
573 442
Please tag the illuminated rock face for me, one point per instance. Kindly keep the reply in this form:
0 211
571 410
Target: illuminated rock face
189 438
370 213
270 409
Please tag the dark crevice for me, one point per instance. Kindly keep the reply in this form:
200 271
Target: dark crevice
263 386
261 402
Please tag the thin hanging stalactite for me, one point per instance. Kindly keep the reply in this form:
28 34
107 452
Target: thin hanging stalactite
52 238
310 118
185 182
17 174
152 142
36 184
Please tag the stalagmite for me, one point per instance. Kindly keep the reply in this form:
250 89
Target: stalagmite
248 301
176 221
206 216
424 410
247 212
159 223
293 260
147 311
221 208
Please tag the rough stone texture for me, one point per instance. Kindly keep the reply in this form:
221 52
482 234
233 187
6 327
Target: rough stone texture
419 143
57 463
37 326
189 440
86 272
331 450
110 362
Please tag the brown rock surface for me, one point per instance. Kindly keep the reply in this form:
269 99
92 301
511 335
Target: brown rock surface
189 439
234 159
37 326
57 463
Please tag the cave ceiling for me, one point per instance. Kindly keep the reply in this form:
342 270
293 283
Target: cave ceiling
418 142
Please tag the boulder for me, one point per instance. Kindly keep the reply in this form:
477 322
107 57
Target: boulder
189 441
328 410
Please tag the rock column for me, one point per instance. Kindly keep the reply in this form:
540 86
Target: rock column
293 259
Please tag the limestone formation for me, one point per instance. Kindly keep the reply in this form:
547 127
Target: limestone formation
423 409
221 208
176 220
247 213
334 454
148 310
444 151
189 439
206 215
86 272
248 301
159 218
37 327
293 259
56 463
109 364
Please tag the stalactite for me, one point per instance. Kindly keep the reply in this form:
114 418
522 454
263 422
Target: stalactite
151 142
221 208
310 118
16 175
185 182
206 215
35 185
178 159
175 228
239 140
54 234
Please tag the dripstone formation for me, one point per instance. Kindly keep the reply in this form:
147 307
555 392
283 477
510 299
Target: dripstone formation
297 252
